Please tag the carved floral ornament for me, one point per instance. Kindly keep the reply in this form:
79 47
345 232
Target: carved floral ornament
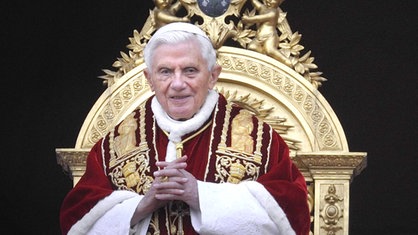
254 25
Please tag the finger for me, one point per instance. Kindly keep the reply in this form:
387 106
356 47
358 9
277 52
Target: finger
181 159
167 197
166 191
164 178
169 188
170 172
176 179
165 165
174 162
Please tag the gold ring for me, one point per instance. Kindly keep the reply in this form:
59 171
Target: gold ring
164 179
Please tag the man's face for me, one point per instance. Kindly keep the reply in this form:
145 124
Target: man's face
180 78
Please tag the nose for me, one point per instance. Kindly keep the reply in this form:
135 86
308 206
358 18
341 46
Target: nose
177 82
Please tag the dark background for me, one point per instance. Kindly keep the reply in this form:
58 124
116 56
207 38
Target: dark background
53 51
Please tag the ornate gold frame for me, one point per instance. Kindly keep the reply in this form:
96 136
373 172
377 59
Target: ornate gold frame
283 94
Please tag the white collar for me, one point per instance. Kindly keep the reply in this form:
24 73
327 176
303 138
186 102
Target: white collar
177 129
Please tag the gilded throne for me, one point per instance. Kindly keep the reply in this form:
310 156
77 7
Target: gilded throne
264 71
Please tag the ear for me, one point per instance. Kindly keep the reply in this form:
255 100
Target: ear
149 79
216 70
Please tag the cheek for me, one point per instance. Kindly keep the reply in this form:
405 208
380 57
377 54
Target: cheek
160 88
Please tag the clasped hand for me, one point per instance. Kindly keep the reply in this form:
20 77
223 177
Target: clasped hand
172 182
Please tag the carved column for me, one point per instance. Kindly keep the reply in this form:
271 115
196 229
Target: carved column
331 174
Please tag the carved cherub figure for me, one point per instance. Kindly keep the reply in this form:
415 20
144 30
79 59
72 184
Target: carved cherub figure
266 40
165 12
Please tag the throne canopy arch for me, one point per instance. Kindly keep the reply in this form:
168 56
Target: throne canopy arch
271 90
266 70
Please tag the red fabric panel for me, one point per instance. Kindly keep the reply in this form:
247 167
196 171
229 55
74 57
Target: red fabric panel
287 185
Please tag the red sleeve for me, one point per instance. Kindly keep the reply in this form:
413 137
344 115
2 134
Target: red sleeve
287 185
92 187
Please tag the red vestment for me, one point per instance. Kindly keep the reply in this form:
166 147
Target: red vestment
211 158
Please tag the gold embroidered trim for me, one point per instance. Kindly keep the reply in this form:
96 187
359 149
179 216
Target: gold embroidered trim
211 140
222 144
259 142
233 166
268 149
129 164
123 145
238 162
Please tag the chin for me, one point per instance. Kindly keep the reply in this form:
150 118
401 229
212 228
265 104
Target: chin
179 116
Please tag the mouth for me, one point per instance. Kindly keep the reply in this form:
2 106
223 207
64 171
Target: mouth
178 99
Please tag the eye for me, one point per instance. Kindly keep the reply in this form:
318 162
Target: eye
190 71
164 71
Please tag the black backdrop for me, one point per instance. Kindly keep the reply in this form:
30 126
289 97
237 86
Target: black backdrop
53 51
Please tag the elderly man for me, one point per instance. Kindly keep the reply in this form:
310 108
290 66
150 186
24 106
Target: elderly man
187 161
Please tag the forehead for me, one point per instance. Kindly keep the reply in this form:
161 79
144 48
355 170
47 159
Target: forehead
177 52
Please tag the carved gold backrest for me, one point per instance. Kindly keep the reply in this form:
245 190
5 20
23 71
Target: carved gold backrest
266 73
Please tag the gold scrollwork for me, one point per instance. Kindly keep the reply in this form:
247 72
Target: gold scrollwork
233 166
131 176
133 173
